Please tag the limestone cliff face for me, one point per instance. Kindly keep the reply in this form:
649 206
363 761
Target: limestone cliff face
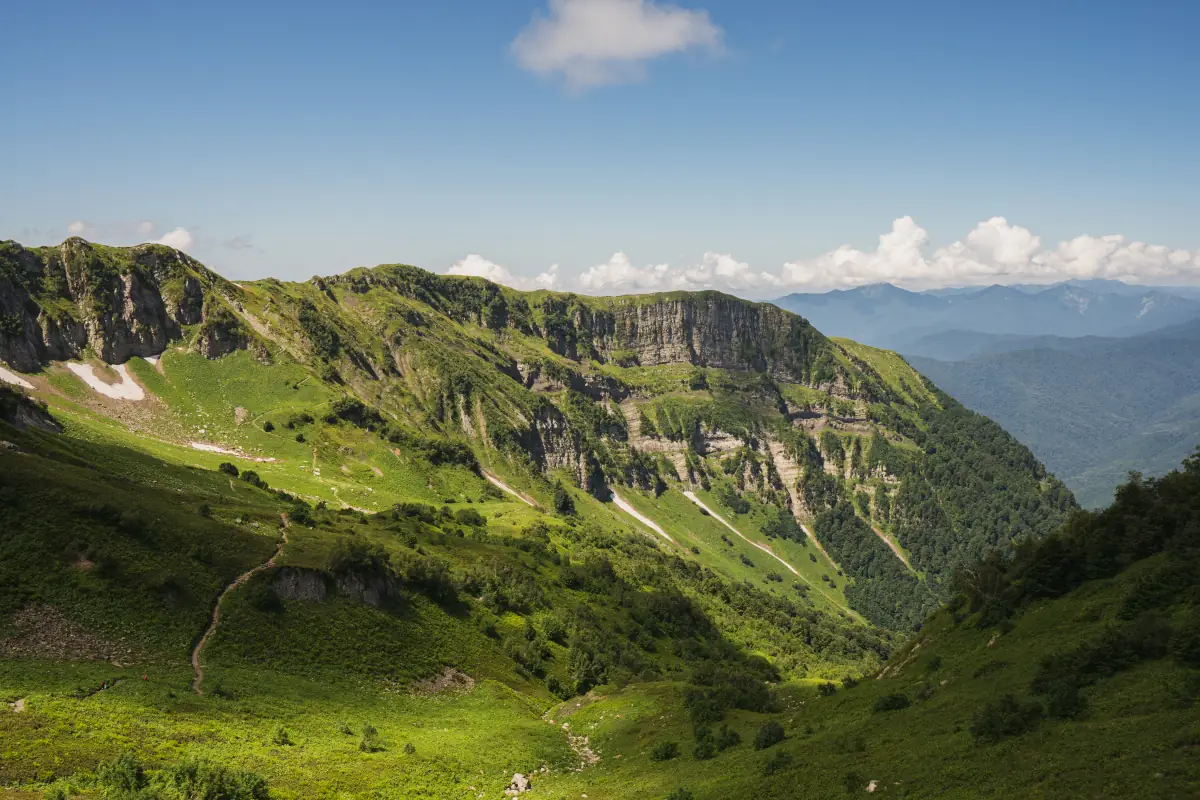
55 302
706 329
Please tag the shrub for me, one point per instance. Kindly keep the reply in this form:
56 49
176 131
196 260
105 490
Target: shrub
370 740
826 689
563 503
469 516
681 794
849 682
771 733
410 749
664 751
1003 718
705 749
727 738
204 780
777 763
891 702
228 469
281 737
300 438
268 426
206 510
123 774
1064 701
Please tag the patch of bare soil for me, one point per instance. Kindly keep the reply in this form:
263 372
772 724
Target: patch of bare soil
44 632
451 680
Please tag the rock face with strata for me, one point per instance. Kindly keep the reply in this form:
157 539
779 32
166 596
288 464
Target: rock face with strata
57 302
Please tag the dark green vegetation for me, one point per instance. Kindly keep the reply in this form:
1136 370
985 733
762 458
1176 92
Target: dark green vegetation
1092 409
460 591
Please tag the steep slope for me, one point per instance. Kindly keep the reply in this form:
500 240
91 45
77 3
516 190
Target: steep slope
1092 409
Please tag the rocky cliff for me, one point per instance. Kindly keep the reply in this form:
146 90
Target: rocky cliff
58 302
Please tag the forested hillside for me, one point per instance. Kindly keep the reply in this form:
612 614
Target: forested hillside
1092 409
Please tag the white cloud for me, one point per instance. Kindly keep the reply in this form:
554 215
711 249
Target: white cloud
479 267
595 42
995 251
179 238
77 227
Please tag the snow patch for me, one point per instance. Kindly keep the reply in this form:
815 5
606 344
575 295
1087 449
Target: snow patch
153 359
14 379
127 389
225 451
633 512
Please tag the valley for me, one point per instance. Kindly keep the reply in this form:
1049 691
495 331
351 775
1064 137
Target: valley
397 534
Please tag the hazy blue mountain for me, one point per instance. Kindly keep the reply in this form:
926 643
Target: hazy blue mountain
1091 408
887 316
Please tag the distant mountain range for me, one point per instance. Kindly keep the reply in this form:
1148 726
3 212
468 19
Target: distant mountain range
887 316
1091 408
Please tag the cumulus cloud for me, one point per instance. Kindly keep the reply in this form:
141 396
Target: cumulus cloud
179 238
995 251
479 267
595 42
77 228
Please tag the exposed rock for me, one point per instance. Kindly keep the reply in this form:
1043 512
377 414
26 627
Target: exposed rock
370 589
55 302
450 680
42 631
24 413
308 585
520 784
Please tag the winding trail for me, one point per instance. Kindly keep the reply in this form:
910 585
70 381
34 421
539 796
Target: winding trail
215 619
690 495
504 487
623 504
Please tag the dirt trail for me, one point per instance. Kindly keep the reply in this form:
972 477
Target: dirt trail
504 487
623 504
895 548
765 548
215 619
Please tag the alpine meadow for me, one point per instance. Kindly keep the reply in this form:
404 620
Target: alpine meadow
395 534
599 400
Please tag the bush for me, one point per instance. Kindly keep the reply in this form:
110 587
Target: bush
777 763
370 740
123 774
469 516
268 426
681 794
300 438
826 689
771 733
206 510
1003 718
727 738
563 503
228 469
664 751
281 737
203 780
1064 701
891 702
849 682
705 749
410 749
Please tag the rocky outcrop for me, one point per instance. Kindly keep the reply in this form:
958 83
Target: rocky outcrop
707 329
220 334
306 585
313 586
56 302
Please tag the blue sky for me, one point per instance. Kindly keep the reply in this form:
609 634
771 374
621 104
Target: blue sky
732 144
